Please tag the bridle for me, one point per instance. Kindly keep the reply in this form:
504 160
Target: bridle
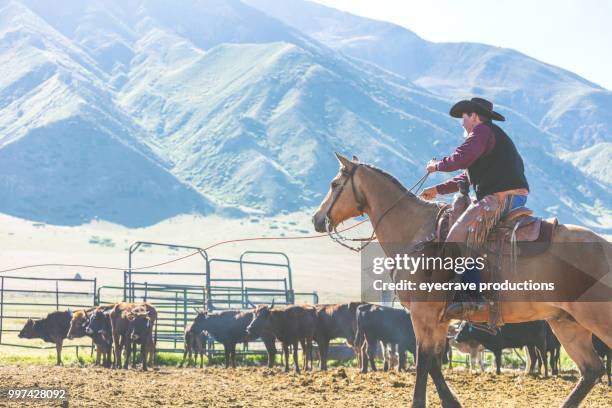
361 206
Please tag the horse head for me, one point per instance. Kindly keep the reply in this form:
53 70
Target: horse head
344 199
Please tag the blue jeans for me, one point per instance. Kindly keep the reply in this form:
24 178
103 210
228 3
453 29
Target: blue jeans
515 202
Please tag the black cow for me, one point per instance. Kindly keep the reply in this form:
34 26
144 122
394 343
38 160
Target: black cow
388 325
553 347
141 322
78 328
99 327
52 329
511 335
230 328
605 353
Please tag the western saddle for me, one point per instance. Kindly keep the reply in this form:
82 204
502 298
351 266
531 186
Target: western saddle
518 233
518 226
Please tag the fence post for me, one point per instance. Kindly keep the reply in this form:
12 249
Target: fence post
175 316
145 292
56 295
184 308
95 288
1 306
209 303
242 301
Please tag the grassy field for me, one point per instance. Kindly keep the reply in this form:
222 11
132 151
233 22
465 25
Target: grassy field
10 355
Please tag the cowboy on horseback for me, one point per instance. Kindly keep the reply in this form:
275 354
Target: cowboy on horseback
494 168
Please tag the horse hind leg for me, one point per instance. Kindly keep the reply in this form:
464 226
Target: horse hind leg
578 344
594 316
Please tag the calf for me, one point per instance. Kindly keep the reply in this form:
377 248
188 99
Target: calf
553 347
390 356
52 329
121 317
141 321
230 328
605 352
471 347
78 328
290 325
334 321
388 325
195 342
99 328
511 335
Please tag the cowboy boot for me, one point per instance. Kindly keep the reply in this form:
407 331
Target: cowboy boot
465 305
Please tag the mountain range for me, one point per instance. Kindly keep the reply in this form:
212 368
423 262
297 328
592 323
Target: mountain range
136 111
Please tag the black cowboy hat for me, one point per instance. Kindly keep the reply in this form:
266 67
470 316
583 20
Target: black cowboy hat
478 105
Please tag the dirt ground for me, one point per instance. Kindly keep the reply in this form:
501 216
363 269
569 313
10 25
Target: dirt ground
262 387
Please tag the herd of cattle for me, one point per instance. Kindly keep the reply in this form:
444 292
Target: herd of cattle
122 326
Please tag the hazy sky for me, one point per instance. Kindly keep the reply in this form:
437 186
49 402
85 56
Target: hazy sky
572 34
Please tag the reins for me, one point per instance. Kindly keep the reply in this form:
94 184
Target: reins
361 206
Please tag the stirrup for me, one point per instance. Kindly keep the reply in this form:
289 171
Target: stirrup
460 310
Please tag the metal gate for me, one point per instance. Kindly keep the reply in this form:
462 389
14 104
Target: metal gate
256 277
218 284
25 297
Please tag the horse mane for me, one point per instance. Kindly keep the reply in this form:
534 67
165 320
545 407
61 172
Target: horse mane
390 177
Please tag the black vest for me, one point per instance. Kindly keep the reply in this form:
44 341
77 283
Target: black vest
500 170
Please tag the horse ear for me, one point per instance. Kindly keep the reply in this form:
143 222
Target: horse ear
346 163
355 159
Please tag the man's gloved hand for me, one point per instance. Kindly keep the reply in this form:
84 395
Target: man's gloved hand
429 193
431 166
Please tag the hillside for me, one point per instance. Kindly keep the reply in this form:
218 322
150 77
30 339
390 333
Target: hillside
136 112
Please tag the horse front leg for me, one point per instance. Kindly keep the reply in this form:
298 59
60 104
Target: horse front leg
444 391
431 343
423 364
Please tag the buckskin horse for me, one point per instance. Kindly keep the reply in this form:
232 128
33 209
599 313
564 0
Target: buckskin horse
398 216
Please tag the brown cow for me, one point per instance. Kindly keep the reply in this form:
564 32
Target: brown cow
52 329
335 321
290 325
120 317
195 342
